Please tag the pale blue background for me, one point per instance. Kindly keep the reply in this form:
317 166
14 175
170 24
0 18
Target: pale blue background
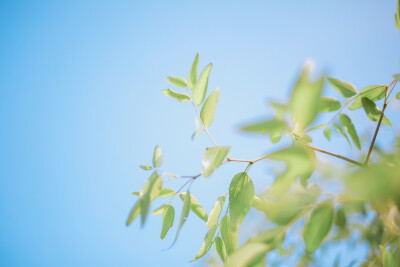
81 108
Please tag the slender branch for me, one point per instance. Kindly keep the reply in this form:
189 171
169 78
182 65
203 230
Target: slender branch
336 155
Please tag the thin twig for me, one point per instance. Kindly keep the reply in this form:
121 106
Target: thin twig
336 155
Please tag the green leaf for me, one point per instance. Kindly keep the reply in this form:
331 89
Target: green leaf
397 76
181 97
216 211
184 214
340 218
168 219
229 234
318 226
317 127
159 210
397 16
196 207
266 126
328 104
205 247
146 167
340 130
152 188
387 257
373 112
398 95
275 137
166 192
241 194
212 158
135 211
220 248
246 253
200 89
373 92
196 132
208 110
346 89
328 133
192 79
350 129
177 81
157 157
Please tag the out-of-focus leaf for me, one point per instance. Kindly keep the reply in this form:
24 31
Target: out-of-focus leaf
264 127
229 234
246 253
216 211
279 109
150 190
328 104
196 207
168 219
270 236
184 214
181 97
397 16
373 92
328 133
398 95
350 129
146 167
200 89
220 248
340 218
205 247
159 210
275 137
373 112
241 194
196 132
397 76
157 157
212 158
317 127
177 81
387 257
340 130
166 192
192 79
346 89
318 226
208 110
135 211
136 194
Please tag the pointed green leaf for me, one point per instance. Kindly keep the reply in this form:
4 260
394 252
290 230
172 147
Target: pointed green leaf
241 194
318 226
212 158
177 81
205 247
135 211
146 167
220 248
350 129
317 127
168 219
200 89
192 79
150 190
136 194
346 89
184 214
247 253
328 133
216 211
157 157
264 127
397 16
166 192
387 257
328 104
208 110
275 137
229 234
373 112
196 207
159 210
373 92
340 130
181 97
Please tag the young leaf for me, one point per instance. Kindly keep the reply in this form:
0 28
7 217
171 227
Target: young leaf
398 95
157 157
192 79
196 207
200 89
146 167
317 127
136 194
159 210
275 137
397 16
205 247
328 104
373 112
177 81
212 158
241 194
264 127
220 248
135 211
328 133
196 132
181 97
208 110
151 188
246 253
346 89
373 92
166 192
229 234
340 130
184 214
216 211
350 129
318 226
168 219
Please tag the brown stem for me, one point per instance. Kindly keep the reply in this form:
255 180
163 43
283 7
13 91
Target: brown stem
336 155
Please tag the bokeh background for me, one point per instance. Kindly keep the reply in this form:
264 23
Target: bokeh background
81 108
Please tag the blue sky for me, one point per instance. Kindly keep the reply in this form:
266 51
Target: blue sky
81 108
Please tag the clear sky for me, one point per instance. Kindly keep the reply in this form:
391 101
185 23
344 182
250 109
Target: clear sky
81 108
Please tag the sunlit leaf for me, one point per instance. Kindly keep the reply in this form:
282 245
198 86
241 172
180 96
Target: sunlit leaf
229 234
166 192
279 109
196 132
200 89
241 194
318 226
157 157
181 97
328 104
220 248
346 89
205 247
196 207
146 167
373 112
266 126
216 211
159 210
317 127
387 257
397 16
340 130
374 93
184 214
135 211
328 133
350 129
136 193
246 253
177 81
192 79
152 188
212 158
208 110
168 219
398 95
275 137
270 236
